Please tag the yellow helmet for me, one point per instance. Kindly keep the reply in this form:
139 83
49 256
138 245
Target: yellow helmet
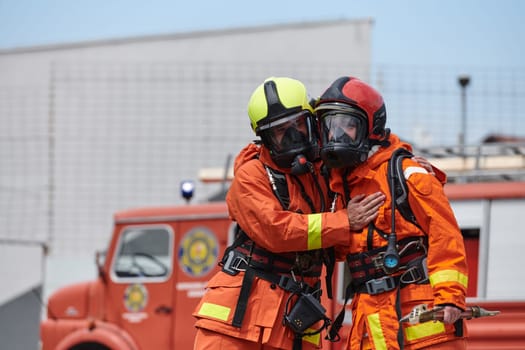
277 97
281 115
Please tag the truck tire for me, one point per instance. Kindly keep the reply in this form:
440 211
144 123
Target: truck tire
89 346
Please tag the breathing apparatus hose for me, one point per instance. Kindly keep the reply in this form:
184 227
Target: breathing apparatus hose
391 258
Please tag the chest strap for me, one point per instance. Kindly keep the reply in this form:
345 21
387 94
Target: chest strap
274 268
285 282
247 255
368 275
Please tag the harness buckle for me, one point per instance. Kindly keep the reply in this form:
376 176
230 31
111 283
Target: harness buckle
234 260
380 285
290 284
377 260
416 272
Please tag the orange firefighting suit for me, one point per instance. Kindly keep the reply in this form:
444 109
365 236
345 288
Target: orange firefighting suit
254 206
374 317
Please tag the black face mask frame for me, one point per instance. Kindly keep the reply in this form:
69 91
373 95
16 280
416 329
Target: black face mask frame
294 142
340 150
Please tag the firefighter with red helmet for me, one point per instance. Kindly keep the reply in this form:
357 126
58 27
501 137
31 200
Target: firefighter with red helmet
267 294
395 263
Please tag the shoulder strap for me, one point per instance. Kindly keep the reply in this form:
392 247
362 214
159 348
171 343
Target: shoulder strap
279 186
396 176
325 173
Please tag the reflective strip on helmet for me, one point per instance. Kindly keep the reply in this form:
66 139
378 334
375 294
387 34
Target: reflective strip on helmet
376 332
423 330
215 311
448 276
314 231
314 339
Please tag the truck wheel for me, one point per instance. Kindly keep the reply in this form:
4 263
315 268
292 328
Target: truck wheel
89 346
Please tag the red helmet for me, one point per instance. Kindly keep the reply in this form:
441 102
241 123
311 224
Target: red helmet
352 116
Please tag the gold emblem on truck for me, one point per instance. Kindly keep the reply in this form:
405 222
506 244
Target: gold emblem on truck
198 252
135 297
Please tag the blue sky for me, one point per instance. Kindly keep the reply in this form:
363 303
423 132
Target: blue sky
445 32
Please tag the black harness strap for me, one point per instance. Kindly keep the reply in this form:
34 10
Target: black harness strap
297 342
333 332
370 236
305 196
242 302
400 336
329 261
326 176
285 282
396 177
279 186
345 186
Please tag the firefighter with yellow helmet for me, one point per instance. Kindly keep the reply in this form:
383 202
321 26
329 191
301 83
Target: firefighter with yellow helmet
267 294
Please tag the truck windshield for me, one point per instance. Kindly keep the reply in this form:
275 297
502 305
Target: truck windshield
143 252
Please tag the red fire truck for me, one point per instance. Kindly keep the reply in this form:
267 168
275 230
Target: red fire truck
159 259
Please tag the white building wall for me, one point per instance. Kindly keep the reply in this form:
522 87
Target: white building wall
91 128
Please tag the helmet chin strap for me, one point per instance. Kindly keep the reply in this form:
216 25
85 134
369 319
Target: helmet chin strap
300 165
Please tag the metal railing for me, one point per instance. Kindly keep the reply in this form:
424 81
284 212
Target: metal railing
480 163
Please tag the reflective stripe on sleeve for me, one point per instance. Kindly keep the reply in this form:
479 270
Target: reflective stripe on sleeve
214 310
376 333
314 231
448 276
423 330
413 170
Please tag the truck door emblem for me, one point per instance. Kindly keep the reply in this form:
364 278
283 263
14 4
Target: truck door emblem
135 297
198 252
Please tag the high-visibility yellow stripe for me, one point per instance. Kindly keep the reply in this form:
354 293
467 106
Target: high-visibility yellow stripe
448 276
214 310
376 333
424 330
314 339
314 231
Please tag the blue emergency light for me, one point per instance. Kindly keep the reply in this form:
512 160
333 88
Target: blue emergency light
187 187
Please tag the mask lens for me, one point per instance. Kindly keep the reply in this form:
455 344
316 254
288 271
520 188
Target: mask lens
288 133
292 138
340 128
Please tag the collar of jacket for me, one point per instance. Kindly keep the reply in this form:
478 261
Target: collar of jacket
367 169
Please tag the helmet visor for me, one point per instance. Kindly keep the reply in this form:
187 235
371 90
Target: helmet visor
289 133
